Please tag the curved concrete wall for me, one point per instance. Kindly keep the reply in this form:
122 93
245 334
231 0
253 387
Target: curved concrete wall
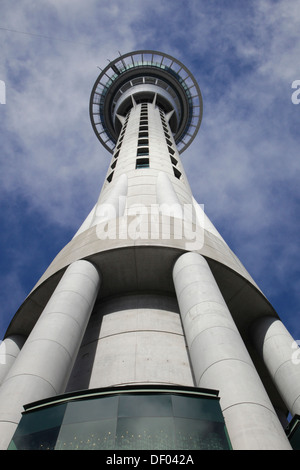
130 339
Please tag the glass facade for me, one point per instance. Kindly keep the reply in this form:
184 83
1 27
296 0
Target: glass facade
124 420
293 432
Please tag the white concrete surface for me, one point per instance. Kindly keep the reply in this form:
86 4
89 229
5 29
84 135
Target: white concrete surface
133 339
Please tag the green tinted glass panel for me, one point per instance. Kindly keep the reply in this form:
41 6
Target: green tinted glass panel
42 440
39 429
145 405
294 434
41 419
91 409
145 433
192 407
196 434
129 420
92 435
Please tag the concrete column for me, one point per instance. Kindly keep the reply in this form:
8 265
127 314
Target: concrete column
9 350
220 359
43 367
281 355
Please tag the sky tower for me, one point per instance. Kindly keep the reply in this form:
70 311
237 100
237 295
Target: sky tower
146 331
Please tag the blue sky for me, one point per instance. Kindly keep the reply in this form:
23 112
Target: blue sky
244 165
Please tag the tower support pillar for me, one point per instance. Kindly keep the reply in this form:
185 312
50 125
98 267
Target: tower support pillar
220 359
9 350
281 356
43 367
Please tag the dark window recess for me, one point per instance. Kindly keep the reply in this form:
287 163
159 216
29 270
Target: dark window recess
113 165
143 128
142 151
143 134
110 177
173 160
142 163
169 142
117 154
171 151
177 172
143 142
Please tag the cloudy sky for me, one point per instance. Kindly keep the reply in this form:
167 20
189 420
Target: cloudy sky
244 165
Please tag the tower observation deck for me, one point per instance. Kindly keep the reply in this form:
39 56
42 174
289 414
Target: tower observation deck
146 331
140 77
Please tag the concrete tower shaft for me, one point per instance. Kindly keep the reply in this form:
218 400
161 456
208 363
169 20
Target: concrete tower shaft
145 144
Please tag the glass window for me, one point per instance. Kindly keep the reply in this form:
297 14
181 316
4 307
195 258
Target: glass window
145 433
89 435
131 420
196 434
176 172
143 134
192 407
91 410
49 417
142 163
38 429
142 151
42 440
145 405
109 178
293 432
